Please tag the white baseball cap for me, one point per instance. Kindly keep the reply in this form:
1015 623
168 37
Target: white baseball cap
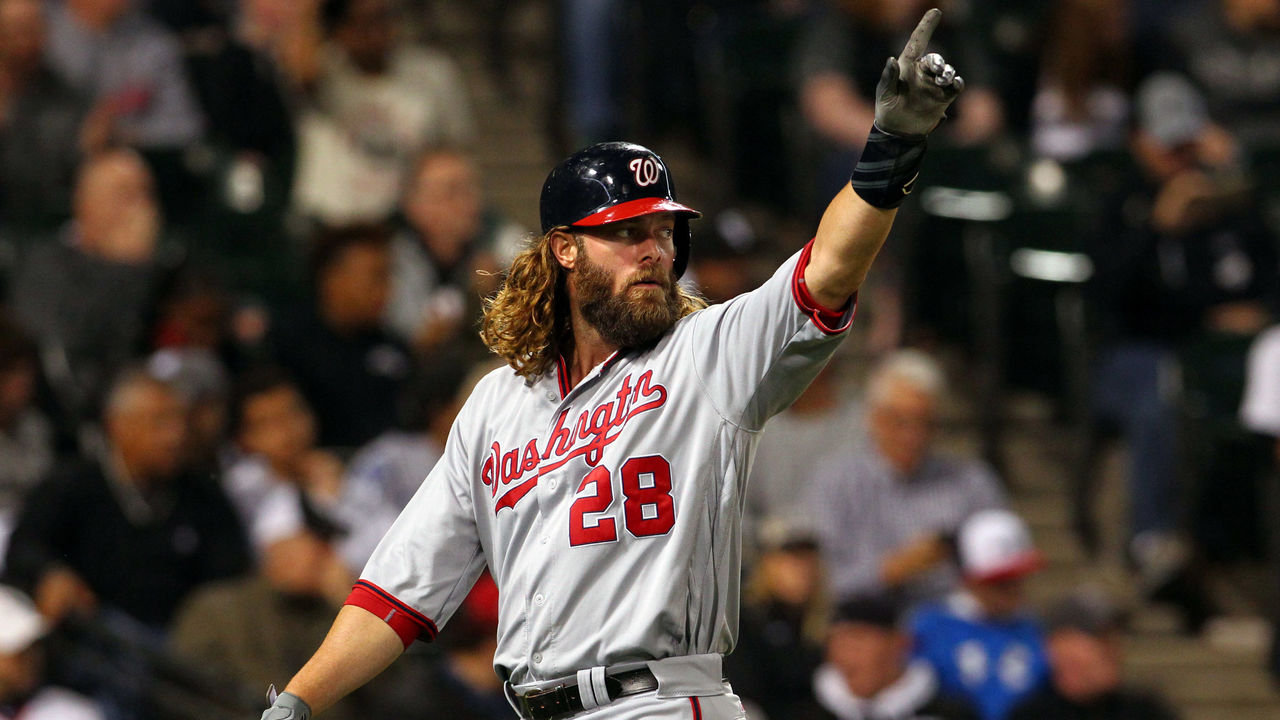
20 623
995 545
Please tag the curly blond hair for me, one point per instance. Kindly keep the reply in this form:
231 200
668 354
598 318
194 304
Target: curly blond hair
527 321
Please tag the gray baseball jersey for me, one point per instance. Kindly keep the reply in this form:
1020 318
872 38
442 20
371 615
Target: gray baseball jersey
609 513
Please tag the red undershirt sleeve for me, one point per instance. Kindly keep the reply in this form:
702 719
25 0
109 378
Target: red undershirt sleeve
831 322
408 623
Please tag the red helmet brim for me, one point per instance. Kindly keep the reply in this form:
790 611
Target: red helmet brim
636 208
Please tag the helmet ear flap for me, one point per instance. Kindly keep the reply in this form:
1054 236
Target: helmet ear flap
683 240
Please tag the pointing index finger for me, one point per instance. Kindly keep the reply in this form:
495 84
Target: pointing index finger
920 36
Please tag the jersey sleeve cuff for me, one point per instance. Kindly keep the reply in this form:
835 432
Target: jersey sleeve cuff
408 623
831 322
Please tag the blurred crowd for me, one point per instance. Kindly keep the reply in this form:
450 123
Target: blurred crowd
244 245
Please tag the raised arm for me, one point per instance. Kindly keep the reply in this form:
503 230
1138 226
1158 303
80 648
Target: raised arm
912 98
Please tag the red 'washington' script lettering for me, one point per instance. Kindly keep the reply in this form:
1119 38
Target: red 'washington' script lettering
587 437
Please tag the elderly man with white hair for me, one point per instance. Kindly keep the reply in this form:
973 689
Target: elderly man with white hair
887 507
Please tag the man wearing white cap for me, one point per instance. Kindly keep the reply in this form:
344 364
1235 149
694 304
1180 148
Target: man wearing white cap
22 667
982 643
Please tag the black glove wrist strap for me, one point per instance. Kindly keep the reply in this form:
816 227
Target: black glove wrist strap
886 172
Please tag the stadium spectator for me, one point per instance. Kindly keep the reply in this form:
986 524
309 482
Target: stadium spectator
24 692
910 497
982 642
378 101
349 367
130 66
1084 637
85 298
448 254
278 477
43 129
1184 266
784 612
868 673
26 435
130 529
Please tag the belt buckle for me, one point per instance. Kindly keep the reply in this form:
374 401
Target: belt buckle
547 704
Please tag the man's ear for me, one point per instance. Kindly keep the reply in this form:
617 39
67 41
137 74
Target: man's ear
565 248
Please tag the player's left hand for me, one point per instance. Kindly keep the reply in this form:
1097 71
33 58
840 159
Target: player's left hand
915 89
286 706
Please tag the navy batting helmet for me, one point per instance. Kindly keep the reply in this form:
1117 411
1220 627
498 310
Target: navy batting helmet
614 181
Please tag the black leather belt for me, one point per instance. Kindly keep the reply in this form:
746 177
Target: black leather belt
564 700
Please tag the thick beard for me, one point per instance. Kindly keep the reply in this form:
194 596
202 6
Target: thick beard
621 319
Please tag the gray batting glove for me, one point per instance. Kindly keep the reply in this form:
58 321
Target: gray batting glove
288 706
915 89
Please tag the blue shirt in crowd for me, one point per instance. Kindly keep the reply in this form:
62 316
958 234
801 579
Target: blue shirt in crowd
992 663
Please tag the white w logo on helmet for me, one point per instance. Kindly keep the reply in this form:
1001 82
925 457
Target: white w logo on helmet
646 171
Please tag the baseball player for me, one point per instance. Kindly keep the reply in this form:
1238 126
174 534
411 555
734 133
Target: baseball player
600 477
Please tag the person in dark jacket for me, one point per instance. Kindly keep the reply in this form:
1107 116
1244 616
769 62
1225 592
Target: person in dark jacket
129 530
350 368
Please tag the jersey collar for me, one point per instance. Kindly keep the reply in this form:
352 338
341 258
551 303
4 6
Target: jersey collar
562 372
